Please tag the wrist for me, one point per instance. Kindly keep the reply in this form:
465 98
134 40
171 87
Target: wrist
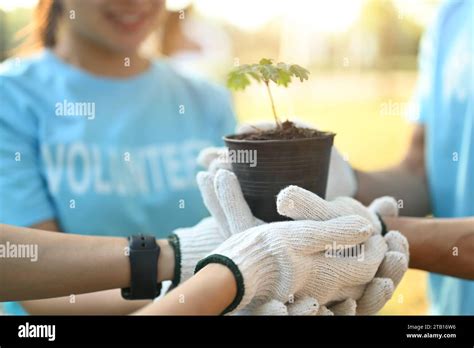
192 244
255 276
227 263
166 261
225 282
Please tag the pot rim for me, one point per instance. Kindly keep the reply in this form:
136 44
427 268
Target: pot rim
324 135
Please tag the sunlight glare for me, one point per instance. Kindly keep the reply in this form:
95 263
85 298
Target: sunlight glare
331 16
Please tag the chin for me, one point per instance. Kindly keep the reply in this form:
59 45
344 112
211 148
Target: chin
125 47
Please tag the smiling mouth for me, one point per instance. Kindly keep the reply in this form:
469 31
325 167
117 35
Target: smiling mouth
127 22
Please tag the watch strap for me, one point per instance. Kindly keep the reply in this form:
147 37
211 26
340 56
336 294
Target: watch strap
143 254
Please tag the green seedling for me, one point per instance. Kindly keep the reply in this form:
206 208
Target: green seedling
266 71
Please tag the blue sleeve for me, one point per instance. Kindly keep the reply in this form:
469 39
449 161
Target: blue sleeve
421 106
424 99
24 198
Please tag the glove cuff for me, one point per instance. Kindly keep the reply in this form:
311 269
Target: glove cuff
174 242
190 246
382 225
223 260
255 272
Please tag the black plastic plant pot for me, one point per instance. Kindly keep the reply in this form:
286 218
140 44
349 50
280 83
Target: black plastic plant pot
265 167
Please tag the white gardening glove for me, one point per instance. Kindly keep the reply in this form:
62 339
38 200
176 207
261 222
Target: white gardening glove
392 269
284 259
237 217
224 199
225 187
302 306
301 204
240 218
298 203
342 180
191 245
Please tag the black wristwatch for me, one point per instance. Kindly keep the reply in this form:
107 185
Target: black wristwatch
143 253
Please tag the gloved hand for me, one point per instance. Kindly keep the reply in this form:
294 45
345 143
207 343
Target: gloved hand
298 203
302 204
388 276
395 262
196 242
191 245
342 180
237 217
302 306
223 198
284 259
234 217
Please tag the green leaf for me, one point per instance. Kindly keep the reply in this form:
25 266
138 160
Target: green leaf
237 80
280 73
284 75
255 76
254 72
268 72
299 72
266 61
284 78
283 66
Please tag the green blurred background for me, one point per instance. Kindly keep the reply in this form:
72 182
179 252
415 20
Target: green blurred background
362 56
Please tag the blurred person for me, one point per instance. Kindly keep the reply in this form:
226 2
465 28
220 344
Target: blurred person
98 139
437 175
194 46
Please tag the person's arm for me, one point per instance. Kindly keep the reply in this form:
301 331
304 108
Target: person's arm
101 302
107 302
405 182
443 246
191 244
208 292
73 264
68 264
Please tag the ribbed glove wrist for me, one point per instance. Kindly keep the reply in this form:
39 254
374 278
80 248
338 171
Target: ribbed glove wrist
191 245
255 272
239 279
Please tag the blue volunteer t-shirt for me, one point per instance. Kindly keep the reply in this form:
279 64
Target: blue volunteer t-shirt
446 97
104 156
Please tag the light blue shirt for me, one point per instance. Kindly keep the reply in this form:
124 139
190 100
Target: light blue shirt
104 156
446 97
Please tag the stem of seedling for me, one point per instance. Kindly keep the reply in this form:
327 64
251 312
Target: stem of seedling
277 121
